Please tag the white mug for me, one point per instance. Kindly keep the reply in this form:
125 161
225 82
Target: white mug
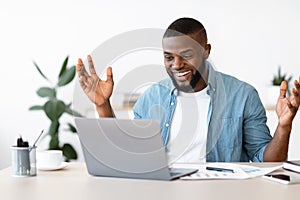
49 158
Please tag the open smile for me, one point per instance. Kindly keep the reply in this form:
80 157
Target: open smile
182 76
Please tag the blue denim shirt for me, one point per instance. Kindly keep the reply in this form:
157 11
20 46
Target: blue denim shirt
237 130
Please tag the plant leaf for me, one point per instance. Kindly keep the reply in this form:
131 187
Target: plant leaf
63 67
69 152
67 77
54 109
54 143
279 77
53 129
72 112
46 92
37 107
40 71
72 128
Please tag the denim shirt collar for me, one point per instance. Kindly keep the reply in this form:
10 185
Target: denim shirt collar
212 78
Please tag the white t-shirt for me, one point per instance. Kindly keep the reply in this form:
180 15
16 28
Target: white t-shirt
188 131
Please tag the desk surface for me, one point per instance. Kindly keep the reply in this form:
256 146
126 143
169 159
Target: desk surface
74 183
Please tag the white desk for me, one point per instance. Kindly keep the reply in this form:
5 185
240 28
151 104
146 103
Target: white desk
75 183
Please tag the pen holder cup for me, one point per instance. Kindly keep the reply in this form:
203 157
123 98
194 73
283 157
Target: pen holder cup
23 161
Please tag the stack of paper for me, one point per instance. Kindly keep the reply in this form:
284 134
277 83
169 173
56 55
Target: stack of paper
225 171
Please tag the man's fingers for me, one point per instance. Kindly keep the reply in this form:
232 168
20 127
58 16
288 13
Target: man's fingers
82 83
289 104
109 74
283 89
296 97
91 65
81 69
79 65
297 85
295 92
292 108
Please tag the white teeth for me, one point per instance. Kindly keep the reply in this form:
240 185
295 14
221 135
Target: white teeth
179 74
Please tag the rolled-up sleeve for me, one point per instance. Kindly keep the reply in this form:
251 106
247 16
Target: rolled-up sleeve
256 133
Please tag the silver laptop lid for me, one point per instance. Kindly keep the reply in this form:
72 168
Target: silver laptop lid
123 148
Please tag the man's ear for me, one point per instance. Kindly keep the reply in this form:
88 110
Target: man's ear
207 50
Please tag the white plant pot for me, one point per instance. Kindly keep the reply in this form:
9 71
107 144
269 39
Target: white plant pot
272 94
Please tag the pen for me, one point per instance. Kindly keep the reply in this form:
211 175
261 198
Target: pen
20 141
220 169
23 159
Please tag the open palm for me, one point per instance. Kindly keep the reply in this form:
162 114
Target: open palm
287 108
97 90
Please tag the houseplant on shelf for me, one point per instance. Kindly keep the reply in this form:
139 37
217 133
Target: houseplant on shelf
278 78
274 89
54 108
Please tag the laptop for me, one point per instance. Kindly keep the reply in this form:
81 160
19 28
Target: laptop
125 148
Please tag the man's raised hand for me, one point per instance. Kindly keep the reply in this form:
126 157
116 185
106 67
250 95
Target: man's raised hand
287 108
97 90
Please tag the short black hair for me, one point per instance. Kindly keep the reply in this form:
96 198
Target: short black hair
186 26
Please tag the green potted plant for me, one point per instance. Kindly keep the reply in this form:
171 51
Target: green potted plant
274 89
54 108
278 78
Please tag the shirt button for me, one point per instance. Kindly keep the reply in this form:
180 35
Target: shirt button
172 103
167 125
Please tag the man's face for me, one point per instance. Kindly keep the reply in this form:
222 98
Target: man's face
184 60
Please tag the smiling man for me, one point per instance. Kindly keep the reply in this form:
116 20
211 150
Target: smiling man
185 56
205 115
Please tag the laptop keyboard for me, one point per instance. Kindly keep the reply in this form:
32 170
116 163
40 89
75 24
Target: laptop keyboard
174 172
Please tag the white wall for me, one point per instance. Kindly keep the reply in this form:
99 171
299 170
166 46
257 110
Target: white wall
249 40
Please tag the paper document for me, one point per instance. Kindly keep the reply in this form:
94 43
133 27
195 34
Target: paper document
225 171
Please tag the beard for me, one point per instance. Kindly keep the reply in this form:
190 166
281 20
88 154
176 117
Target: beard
192 84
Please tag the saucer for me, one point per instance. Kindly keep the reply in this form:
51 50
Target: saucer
51 168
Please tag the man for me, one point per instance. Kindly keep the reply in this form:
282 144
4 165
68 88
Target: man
225 115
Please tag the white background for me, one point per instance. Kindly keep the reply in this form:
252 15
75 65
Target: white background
249 40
